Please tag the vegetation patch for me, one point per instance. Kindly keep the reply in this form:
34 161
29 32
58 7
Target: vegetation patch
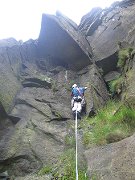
54 87
125 63
70 140
111 124
116 85
66 167
123 55
45 170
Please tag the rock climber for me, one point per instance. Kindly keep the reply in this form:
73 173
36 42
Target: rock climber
77 100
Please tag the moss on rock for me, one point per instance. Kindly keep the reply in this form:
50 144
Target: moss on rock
9 86
129 96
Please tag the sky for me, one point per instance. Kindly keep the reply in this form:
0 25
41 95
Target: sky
21 19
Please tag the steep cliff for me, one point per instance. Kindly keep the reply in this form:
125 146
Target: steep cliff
38 114
106 29
36 122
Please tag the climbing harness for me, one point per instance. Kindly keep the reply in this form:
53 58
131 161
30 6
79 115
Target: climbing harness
76 145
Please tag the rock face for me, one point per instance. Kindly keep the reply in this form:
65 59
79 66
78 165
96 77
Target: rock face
114 161
106 28
59 40
130 89
41 126
111 76
35 86
41 112
96 94
9 84
11 59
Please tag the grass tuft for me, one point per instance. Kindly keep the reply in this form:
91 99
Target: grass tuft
70 140
123 55
116 85
45 170
66 167
112 123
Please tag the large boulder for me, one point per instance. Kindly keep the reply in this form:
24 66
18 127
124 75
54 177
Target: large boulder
113 161
59 39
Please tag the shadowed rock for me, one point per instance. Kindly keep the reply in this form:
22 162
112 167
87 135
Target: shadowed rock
14 119
37 82
111 76
3 113
59 40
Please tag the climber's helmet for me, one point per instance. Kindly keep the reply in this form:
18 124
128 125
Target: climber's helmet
74 86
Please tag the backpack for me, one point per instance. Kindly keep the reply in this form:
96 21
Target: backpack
79 97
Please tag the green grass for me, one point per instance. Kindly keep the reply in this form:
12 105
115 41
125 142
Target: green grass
112 123
45 170
123 55
70 140
65 168
116 85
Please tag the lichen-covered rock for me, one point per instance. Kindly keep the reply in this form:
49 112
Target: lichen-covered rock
11 59
9 83
34 177
38 137
113 161
129 95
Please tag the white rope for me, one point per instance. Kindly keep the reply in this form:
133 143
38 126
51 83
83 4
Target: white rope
76 145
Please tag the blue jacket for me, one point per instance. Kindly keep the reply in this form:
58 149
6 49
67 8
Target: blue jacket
78 92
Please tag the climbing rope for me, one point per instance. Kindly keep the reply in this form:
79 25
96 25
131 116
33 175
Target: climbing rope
76 145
